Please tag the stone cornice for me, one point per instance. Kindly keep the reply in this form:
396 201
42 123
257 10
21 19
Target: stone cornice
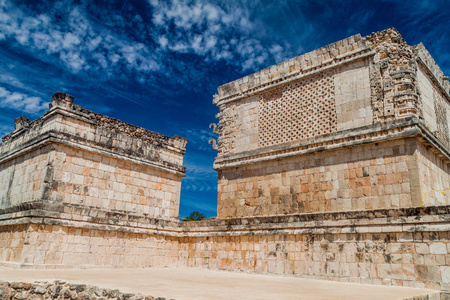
175 143
325 65
368 134
415 219
56 137
431 67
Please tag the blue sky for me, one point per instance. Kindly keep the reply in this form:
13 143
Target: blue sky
157 63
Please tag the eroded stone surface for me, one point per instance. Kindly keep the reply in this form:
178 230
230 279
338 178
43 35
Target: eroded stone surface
297 136
73 156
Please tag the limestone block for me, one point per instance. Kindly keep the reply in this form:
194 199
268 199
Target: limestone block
438 248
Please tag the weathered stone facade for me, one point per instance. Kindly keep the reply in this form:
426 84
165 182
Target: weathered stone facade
72 156
323 161
345 127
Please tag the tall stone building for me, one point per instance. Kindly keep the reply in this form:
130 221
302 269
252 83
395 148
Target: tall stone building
359 124
332 165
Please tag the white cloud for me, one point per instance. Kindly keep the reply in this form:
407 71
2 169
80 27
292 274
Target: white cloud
106 49
215 32
163 41
21 102
78 43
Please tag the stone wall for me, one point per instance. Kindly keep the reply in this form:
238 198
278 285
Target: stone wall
433 172
22 178
401 247
373 176
57 246
436 107
95 180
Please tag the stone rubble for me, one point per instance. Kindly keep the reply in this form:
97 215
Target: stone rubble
62 290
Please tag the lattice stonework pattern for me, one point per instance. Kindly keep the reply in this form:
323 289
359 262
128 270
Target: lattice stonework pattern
298 110
441 117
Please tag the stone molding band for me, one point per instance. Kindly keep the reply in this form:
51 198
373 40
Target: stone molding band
395 129
62 138
415 219
326 65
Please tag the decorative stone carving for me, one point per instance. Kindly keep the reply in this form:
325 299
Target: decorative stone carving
298 110
214 144
60 96
21 122
214 127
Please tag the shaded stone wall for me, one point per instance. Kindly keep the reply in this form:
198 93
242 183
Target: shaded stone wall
23 178
433 172
361 177
12 240
436 106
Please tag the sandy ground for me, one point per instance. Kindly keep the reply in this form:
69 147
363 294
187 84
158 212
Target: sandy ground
188 284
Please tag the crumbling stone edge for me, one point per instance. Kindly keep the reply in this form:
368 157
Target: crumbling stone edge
63 290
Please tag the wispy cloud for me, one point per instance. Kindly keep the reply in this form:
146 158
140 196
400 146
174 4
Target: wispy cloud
200 177
212 31
77 42
81 44
21 102
199 138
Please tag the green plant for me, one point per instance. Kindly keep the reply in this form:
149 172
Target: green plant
194 216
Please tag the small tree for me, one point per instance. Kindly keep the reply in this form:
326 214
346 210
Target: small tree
195 216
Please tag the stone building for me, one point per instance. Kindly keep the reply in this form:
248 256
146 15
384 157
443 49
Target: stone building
359 124
73 165
332 165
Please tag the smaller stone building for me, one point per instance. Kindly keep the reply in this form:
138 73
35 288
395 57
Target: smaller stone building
76 165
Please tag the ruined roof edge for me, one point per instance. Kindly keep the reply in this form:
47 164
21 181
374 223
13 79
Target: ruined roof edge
325 57
109 123
294 66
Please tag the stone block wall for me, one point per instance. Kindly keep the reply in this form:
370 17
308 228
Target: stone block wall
56 246
12 240
399 259
401 247
436 106
22 178
95 180
372 176
434 179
